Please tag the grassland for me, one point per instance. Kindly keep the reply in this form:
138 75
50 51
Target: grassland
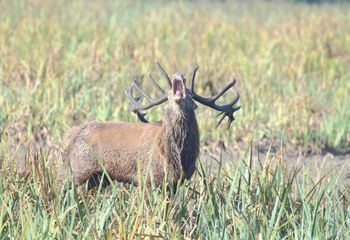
64 63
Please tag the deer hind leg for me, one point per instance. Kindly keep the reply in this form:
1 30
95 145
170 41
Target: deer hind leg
80 167
80 175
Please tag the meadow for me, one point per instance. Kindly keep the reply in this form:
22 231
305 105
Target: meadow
66 63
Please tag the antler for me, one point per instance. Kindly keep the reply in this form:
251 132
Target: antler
135 105
227 109
164 73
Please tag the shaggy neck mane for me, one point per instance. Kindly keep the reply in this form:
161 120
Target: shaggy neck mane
181 138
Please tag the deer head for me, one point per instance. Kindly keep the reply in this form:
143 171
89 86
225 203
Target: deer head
181 97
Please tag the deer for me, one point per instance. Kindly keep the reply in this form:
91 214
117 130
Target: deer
163 151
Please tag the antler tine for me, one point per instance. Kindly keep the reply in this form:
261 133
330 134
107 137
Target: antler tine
221 119
227 109
227 87
143 93
235 100
155 83
164 73
136 100
193 77
135 105
132 99
139 114
230 117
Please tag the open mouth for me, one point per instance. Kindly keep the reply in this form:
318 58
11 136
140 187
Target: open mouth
178 88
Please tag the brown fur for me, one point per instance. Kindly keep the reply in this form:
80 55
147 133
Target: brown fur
165 149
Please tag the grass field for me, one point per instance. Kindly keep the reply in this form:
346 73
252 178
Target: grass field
63 64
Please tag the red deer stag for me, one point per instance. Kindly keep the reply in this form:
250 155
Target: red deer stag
163 149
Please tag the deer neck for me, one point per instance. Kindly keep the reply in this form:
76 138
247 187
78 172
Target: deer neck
181 138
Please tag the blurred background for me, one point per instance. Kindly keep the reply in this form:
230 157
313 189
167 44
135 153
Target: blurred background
64 63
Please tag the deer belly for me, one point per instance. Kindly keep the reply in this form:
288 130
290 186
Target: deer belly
129 167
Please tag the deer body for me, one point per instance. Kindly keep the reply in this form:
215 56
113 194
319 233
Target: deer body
168 148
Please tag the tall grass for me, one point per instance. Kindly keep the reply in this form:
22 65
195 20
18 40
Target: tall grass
248 199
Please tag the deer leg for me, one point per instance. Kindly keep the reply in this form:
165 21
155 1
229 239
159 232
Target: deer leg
83 171
80 171
95 180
